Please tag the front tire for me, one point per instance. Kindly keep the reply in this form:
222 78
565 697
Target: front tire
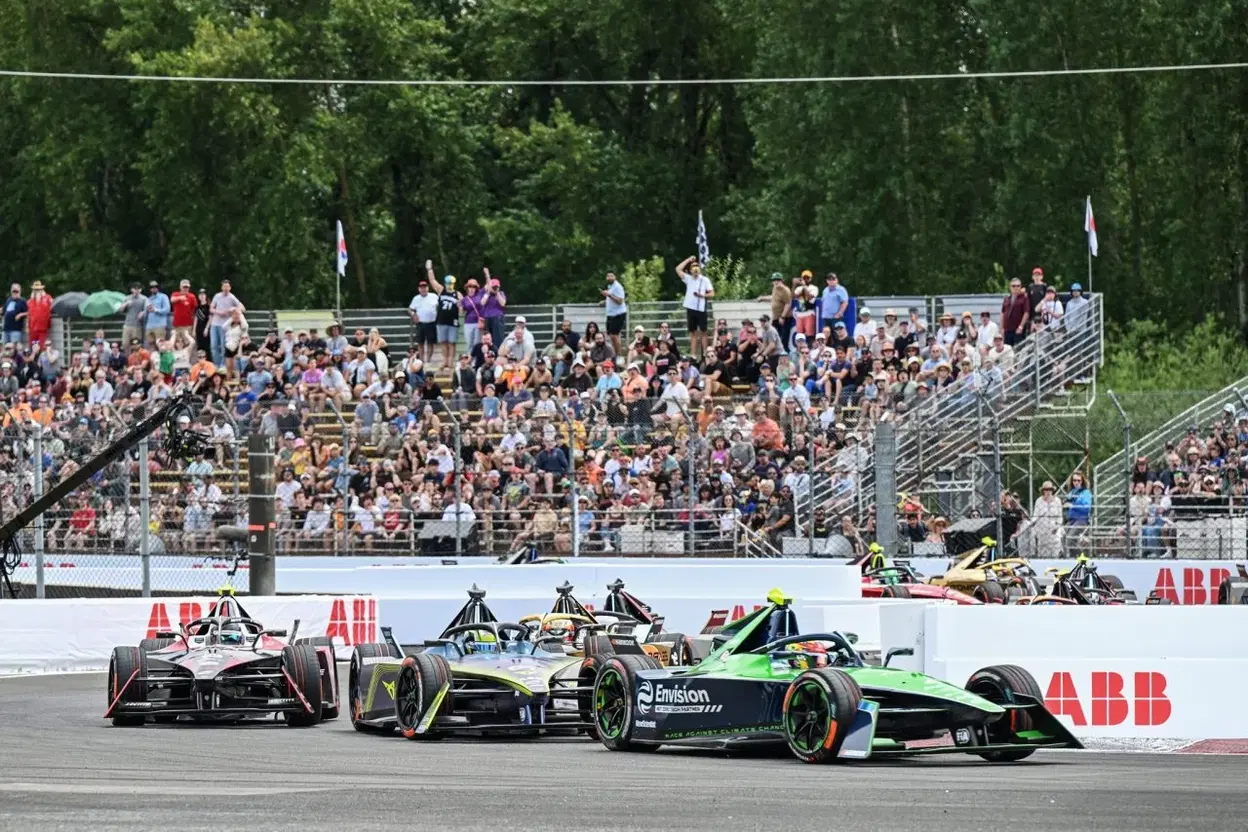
613 702
819 711
126 661
304 671
420 678
999 684
895 591
990 592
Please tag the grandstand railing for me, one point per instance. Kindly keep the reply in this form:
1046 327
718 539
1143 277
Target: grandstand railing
949 429
395 325
1110 476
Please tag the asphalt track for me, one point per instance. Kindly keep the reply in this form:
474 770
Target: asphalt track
63 767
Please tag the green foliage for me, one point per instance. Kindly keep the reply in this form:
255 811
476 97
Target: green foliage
1147 356
643 280
732 279
900 187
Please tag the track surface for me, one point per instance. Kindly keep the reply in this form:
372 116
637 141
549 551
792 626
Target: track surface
63 767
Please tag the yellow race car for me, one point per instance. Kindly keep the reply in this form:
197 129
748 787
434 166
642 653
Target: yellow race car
624 619
986 577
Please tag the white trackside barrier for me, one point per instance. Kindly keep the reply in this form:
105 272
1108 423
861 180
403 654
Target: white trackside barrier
365 573
1188 582
1137 672
865 618
80 634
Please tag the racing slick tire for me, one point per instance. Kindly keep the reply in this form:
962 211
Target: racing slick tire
585 697
895 591
1232 591
303 668
998 683
127 662
355 695
990 592
612 711
149 645
819 711
328 712
682 650
420 678
1113 582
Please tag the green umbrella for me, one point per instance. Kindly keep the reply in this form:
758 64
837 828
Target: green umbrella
102 304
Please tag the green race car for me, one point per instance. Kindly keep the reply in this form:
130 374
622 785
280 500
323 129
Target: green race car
766 683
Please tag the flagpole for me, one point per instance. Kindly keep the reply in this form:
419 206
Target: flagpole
1089 269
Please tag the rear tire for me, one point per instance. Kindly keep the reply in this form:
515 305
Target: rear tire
990 592
150 645
315 641
1113 582
819 710
998 684
124 664
895 591
682 651
1232 591
420 678
355 695
304 669
613 702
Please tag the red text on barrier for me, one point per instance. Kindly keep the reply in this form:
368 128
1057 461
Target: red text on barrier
360 628
1109 702
1194 586
158 620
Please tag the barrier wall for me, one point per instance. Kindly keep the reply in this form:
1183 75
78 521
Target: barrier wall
80 634
1141 672
1182 581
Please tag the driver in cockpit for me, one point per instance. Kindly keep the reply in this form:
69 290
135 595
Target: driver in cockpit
479 641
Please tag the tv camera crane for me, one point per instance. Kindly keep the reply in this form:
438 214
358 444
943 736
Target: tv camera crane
180 442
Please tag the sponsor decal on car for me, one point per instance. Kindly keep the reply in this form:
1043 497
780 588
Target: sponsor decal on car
646 723
723 732
674 699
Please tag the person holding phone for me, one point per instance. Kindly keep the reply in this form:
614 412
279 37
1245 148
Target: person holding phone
493 307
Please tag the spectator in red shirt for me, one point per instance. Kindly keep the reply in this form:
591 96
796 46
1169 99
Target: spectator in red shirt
81 525
39 319
1015 314
184 303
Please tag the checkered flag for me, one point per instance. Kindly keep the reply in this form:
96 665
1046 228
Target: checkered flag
704 249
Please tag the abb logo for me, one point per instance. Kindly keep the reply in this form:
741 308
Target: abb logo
360 628
1194 588
158 620
1110 704
739 611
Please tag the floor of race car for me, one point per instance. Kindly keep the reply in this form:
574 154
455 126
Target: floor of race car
65 767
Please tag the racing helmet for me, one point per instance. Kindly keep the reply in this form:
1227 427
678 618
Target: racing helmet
563 628
479 641
232 633
815 655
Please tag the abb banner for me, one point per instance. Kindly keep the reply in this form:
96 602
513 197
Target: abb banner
80 634
1181 581
1142 672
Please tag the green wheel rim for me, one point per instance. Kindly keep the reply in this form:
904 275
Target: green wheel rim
809 717
408 696
610 704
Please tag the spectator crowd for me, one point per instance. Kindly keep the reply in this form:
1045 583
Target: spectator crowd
704 430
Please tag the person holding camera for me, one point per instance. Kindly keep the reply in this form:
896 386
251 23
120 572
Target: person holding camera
698 291
493 306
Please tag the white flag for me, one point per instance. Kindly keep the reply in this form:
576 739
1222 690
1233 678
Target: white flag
1089 225
342 251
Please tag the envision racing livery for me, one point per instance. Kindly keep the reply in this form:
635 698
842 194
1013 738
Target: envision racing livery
766 683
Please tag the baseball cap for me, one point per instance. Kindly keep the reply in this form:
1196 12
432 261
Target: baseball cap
777 276
1075 287
1038 270
520 319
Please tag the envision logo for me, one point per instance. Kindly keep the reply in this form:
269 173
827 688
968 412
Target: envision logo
667 699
